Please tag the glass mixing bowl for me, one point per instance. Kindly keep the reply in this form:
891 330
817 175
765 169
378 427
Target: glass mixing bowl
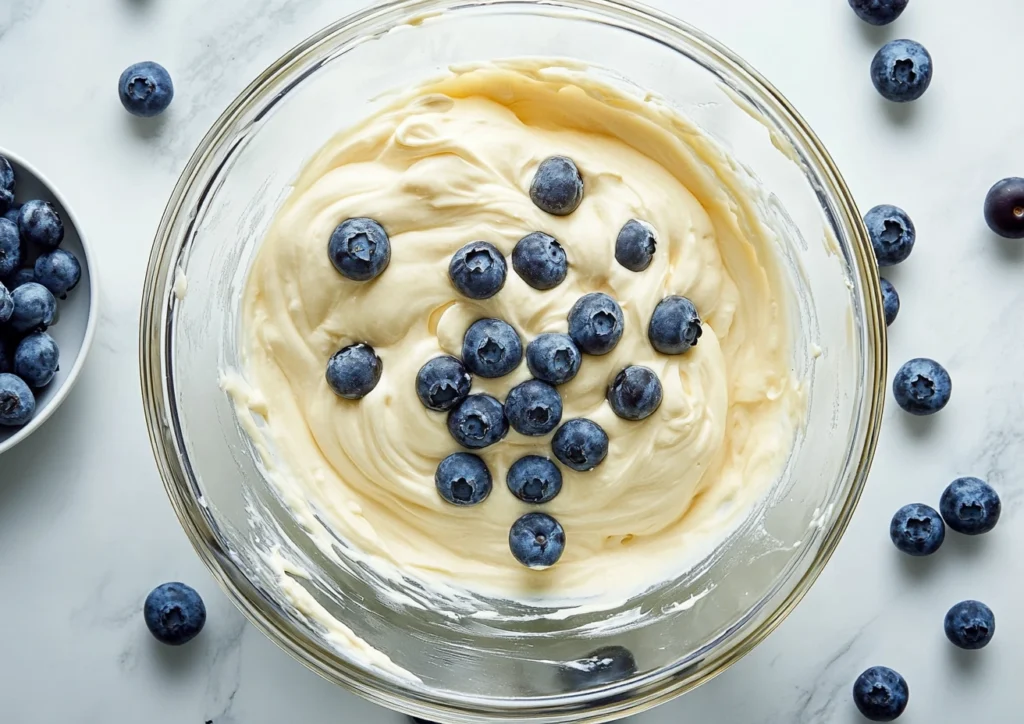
514 666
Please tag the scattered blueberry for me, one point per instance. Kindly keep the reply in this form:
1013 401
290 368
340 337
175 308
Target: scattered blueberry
17 404
478 270
1004 208
902 70
6 185
537 540
36 359
881 694
553 358
540 260
917 530
359 249
22 276
890 301
491 348
534 479
10 248
174 613
970 506
34 308
922 386
596 323
477 422
6 304
970 625
533 408
580 444
878 12
442 383
145 89
635 245
635 393
58 271
13 213
40 224
606 665
354 371
463 479
892 234
558 186
675 326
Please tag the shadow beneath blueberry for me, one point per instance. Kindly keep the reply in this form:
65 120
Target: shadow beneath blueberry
147 128
919 568
177 660
875 36
966 663
966 546
918 426
1009 250
899 114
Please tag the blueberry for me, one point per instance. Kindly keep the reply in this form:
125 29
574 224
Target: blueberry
491 348
17 405
13 213
1004 208
922 386
580 444
40 224
553 358
606 665
479 421
537 540
878 12
463 479
917 530
145 89
540 260
34 308
970 506
558 186
635 245
174 613
36 359
354 371
675 326
890 301
901 71
534 479
478 270
58 271
970 625
6 304
6 185
892 234
10 248
596 323
881 694
359 249
22 276
442 383
635 393
533 408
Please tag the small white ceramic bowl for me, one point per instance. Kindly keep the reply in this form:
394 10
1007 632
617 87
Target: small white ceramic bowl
76 315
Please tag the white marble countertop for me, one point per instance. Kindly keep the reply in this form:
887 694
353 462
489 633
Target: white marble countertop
85 527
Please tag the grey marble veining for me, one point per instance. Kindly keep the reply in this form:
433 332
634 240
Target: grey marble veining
85 528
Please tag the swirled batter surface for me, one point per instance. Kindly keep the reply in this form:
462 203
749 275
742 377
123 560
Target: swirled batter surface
451 163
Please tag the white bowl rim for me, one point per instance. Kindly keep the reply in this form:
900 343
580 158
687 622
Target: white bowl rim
44 413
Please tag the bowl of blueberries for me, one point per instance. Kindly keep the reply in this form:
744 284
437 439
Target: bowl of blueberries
48 300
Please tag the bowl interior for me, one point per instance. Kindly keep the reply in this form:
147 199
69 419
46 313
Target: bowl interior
493 659
75 325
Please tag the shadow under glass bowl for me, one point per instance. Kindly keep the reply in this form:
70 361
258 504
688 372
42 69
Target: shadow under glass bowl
691 628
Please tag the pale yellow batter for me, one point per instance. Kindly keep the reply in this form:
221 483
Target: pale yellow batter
451 163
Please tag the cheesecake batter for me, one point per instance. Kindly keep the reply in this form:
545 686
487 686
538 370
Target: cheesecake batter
449 163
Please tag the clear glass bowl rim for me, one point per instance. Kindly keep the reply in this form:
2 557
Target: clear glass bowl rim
596 705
